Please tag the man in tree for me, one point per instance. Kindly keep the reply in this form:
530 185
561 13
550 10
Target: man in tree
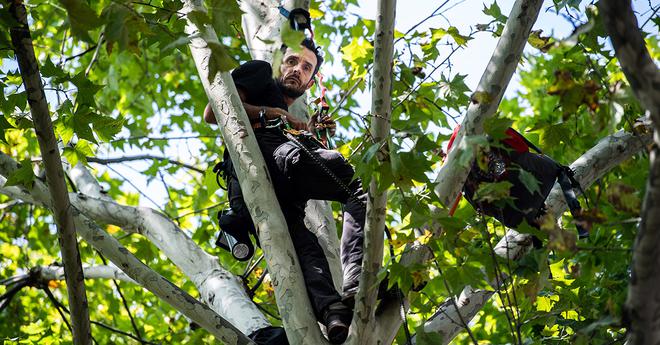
299 174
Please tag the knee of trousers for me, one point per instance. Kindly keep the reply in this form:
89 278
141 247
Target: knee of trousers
286 157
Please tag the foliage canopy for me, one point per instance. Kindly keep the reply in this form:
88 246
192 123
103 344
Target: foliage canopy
120 82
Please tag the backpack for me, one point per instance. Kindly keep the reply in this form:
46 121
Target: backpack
506 162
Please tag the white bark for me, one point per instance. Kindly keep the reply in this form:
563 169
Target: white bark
381 104
90 272
294 306
203 269
446 320
133 267
261 25
320 221
487 96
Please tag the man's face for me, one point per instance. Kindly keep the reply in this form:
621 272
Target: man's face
296 72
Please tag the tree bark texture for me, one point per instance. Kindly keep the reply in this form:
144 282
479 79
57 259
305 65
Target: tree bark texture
446 320
47 273
319 220
132 266
487 97
630 48
381 111
201 268
295 308
643 302
62 212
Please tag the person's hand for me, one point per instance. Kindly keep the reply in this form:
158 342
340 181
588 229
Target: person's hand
274 113
326 125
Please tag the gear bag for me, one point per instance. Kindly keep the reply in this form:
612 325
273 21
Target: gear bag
506 162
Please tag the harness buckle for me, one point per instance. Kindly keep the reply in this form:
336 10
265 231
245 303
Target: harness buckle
274 123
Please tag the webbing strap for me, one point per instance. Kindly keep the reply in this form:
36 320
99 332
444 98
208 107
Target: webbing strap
566 181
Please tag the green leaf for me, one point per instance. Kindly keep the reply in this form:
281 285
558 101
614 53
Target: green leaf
23 176
34 328
356 50
458 38
48 70
493 191
494 11
437 34
220 60
183 40
540 42
529 181
4 125
86 89
82 18
18 100
496 127
106 127
225 16
122 26
78 153
292 38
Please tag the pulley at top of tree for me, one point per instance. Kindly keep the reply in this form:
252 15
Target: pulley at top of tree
299 19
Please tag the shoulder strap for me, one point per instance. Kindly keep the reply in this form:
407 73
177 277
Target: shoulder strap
567 182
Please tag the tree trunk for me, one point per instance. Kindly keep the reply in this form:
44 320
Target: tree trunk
262 23
66 231
294 306
381 101
641 310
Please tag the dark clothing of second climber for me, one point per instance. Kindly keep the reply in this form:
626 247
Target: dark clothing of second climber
297 178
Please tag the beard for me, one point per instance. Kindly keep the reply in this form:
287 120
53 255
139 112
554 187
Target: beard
289 91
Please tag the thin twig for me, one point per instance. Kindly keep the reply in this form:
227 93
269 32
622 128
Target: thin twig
137 189
167 188
655 11
106 161
163 138
500 284
80 54
200 210
96 55
124 302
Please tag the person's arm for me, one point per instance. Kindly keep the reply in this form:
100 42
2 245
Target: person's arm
253 111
